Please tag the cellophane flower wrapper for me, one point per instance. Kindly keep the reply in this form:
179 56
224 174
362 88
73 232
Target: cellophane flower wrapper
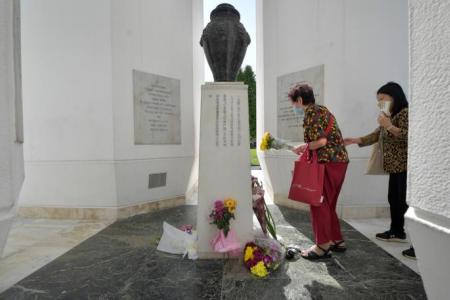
280 144
176 241
261 210
225 240
263 256
268 142
226 244
274 248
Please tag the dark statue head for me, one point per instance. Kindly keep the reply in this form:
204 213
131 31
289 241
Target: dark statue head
225 41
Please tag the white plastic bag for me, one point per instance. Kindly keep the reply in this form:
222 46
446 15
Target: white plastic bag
176 241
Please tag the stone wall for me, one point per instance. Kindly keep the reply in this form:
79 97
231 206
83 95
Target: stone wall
79 58
362 45
428 217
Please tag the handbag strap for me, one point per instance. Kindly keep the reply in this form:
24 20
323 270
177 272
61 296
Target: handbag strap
330 125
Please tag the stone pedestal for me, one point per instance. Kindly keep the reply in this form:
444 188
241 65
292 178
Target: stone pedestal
224 160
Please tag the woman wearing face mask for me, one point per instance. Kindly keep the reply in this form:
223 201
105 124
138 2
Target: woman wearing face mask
322 134
393 126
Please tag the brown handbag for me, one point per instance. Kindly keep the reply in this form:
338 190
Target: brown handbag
376 161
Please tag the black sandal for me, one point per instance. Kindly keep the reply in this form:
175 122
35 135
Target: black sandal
337 247
314 256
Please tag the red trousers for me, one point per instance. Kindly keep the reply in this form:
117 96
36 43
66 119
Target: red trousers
324 219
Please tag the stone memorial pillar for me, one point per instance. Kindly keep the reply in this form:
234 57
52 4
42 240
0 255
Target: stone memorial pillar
224 160
224 151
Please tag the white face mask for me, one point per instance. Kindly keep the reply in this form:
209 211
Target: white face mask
385 107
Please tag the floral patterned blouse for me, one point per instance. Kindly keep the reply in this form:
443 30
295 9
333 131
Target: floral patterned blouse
316 121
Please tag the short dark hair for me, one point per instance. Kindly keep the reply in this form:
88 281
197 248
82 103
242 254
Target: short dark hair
394 90
304 91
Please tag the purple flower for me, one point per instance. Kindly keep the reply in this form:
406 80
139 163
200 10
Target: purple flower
250 263
218 205
258 255
267 259
253 262
219 214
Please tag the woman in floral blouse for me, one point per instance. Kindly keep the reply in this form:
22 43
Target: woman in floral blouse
322 134
393 127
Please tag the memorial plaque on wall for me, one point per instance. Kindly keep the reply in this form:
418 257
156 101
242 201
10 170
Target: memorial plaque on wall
289 125
157 114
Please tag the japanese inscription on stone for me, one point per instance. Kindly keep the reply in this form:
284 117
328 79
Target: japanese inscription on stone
157 115
290 127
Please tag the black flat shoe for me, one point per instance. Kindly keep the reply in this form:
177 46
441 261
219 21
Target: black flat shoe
410 253
314 256
388 236
338 247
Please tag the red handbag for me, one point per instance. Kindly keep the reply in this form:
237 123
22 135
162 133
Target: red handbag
308 176
307 180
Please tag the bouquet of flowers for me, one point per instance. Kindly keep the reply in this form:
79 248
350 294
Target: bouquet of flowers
222 214
225 240
263 256
269 142
261 210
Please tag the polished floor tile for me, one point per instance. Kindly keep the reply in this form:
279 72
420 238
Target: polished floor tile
121 262
370 227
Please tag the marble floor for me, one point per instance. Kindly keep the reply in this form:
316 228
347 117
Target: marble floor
33 243
369 227
121 262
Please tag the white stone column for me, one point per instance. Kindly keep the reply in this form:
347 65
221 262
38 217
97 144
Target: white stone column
11 132
198 78
428 218
224 160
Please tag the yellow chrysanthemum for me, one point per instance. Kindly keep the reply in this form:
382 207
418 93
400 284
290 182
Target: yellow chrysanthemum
265 141
263 146
229 203
259 269
248 253
231 210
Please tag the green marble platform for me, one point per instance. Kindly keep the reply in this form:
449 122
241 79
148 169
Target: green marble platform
121 262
